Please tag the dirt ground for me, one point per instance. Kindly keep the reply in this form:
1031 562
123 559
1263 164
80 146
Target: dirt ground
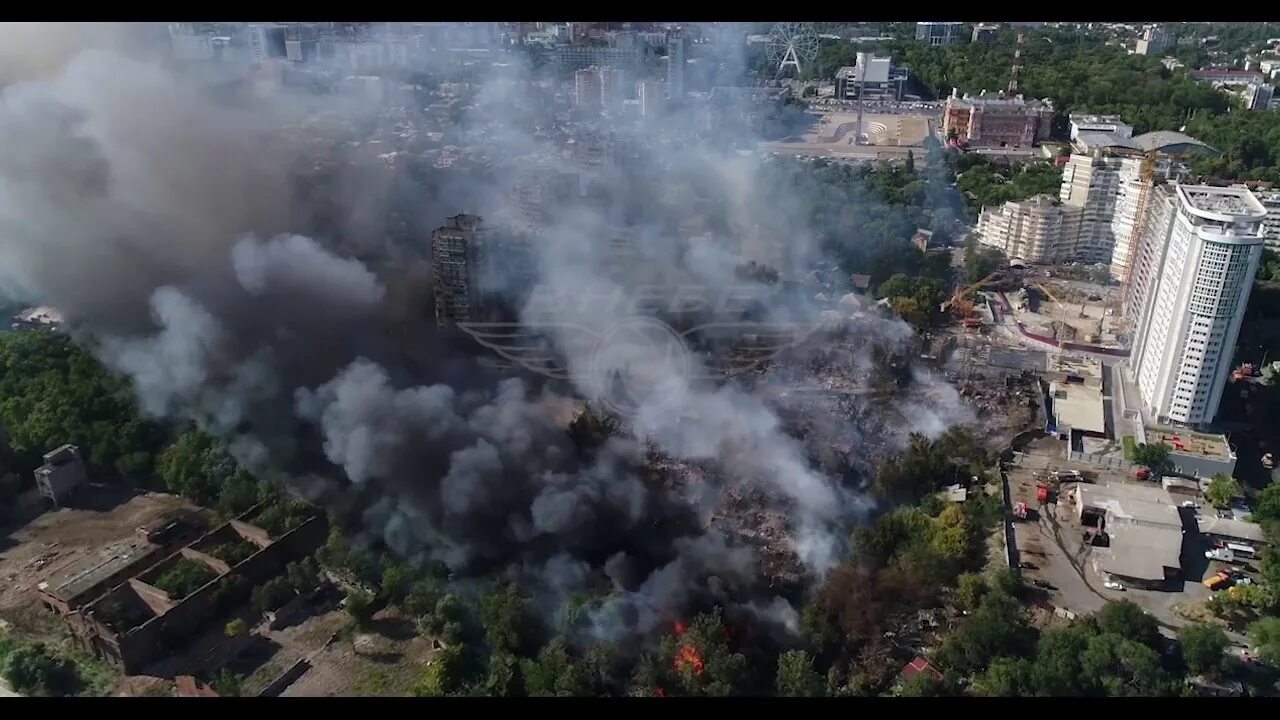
385 661
35 550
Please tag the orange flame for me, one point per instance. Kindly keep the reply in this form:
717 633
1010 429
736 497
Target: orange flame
689 659
679 628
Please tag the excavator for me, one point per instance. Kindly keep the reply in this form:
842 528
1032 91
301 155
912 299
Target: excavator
962 305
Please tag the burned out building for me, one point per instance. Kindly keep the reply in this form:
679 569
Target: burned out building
138 601
450 262
481 272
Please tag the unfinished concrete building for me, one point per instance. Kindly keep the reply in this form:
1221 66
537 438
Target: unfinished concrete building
134 621
451 267
62 472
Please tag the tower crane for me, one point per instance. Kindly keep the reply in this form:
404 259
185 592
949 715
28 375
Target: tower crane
960 302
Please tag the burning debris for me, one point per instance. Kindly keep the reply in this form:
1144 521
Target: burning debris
253 286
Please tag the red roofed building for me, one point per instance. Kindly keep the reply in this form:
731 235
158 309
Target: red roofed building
920 665
1228 75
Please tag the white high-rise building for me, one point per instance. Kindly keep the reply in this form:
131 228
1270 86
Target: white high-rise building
652 96
1196 264
1107 189
675 66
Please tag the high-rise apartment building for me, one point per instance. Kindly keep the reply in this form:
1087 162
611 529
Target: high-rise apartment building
588 90
576 57
1106 189
1034 231
675 66
1270 199
940 33
652 96
451 262
1197 260
1155 40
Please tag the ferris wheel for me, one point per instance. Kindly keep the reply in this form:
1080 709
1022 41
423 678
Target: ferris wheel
792 45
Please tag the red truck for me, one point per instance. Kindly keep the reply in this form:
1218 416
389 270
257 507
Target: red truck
1042 493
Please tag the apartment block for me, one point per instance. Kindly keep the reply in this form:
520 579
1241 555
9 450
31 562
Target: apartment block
1034 231
1197 261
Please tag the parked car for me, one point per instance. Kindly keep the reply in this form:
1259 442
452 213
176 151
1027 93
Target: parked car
1113 585
1042 584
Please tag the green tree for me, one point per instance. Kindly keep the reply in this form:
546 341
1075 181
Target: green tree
997 629
504 615
236 628
796 676
1006 677
1202 647
444 673
1122 667
1265 634
184 577
227 684
702 659
1222 490
1152 455
504 678
359 607
34 670
397 579
1056 669
1126 619
970 589
923 685
272 594
554 672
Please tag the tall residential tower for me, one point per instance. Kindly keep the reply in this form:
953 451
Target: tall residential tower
1193 272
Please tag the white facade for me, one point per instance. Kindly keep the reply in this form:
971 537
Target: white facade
1032 230
1200 253
1107 189
1270 199
652 96
940 33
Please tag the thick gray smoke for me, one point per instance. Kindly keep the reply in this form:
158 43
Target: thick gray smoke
163 219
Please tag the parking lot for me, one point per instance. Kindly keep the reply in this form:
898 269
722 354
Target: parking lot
1050 545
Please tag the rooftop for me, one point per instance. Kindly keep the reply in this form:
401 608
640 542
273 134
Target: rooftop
1089 139
1223 201
1140 551
917 666
1077 406
1186 442
1162 139
1146 504
1230 527
999 102
82 576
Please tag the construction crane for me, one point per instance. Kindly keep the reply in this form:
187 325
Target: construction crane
957 300
1147 179
1054 299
